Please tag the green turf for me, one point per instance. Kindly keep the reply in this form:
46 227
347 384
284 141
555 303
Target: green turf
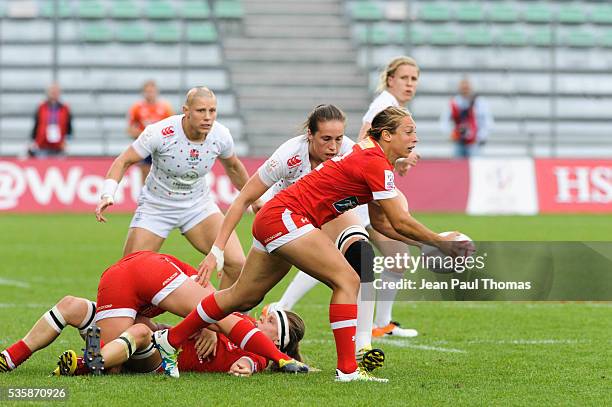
474 353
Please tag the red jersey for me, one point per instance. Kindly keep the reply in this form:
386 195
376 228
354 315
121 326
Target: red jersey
142 114
227 354
342 183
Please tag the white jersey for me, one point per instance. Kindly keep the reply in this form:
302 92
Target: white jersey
179 164
289 163
380 103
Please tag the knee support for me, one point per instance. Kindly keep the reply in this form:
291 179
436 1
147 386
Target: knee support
348 233
127 339
144 353
55 319
360 256
88 320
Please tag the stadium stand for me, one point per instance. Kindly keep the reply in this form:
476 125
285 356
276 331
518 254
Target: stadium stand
105 50
541 65
291 56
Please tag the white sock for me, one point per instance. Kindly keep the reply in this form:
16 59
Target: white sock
301 284
386 297
365 315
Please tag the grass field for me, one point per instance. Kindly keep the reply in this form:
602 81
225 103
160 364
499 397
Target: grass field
472 353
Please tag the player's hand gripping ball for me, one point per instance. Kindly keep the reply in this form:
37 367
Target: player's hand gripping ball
438 262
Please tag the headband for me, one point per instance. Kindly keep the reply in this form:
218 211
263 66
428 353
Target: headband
283 328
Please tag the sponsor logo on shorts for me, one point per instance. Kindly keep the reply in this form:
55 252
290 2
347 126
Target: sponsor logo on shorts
168 131
389 180
274 236
294 161
172 277
103 307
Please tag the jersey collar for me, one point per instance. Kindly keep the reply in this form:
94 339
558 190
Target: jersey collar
381 150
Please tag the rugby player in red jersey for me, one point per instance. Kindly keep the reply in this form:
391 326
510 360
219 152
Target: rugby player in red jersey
286 232
284 328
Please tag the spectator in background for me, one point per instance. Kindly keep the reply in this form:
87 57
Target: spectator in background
468 120
147 111
52 126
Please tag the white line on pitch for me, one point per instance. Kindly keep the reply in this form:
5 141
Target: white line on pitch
407 344
26 305
398 343
14 283
529 341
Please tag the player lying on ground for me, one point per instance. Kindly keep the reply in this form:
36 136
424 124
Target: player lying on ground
282 327
286 232
147 284
183 150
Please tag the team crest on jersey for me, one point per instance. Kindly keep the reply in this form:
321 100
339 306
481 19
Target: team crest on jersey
294 161
168 131
194 154
389 180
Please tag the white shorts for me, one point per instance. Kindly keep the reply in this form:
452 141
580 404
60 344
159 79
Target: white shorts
161 219
364 216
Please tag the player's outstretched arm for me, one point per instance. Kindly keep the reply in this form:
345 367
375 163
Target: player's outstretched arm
409 227
113 177
251 192
380 222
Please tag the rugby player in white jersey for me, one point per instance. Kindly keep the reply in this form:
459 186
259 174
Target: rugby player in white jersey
324 139
183 148
397 86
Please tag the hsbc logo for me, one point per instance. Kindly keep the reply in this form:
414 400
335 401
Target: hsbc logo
294 161
583 184
168 131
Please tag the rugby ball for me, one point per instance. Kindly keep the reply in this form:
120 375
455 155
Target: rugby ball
434 260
